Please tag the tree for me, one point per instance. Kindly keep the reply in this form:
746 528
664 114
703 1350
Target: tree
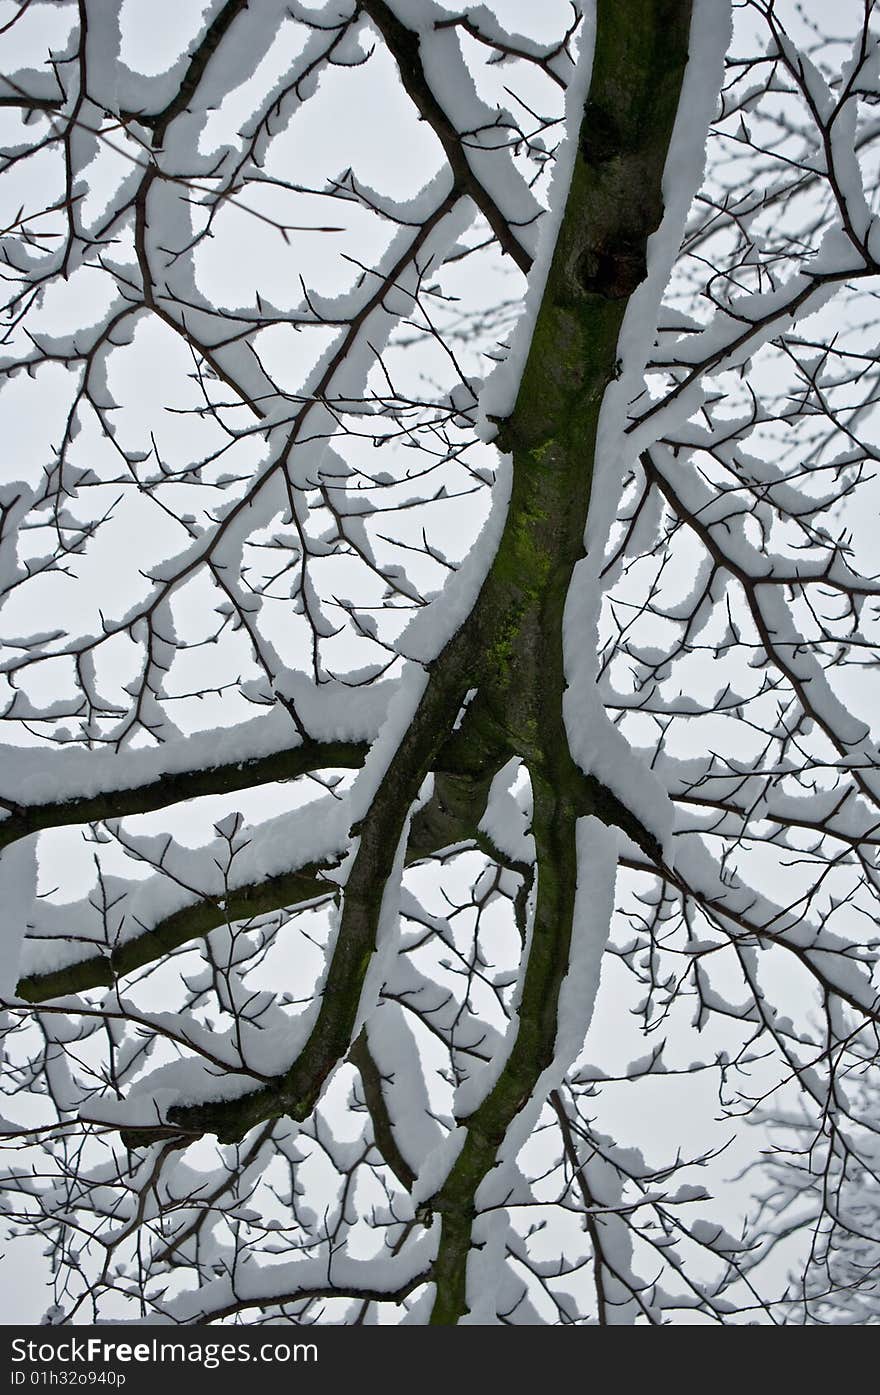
818 1203
563 669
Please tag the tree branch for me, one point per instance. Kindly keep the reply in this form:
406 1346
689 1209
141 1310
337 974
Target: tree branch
170 789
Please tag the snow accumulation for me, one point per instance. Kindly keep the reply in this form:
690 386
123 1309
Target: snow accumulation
498 395
63 933
432 628
333 712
